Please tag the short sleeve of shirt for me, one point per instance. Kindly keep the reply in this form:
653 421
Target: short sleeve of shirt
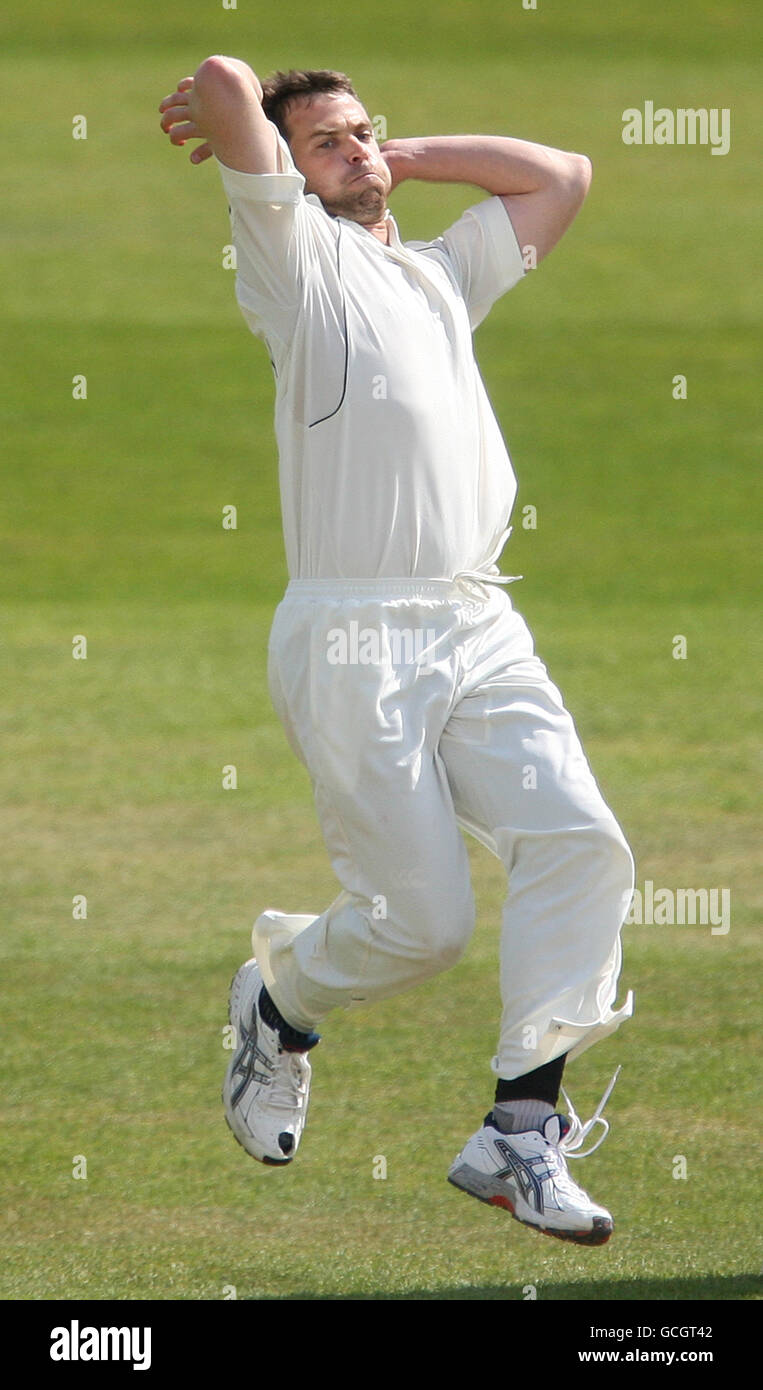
273 232
483 256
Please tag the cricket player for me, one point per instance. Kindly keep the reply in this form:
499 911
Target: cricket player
405 680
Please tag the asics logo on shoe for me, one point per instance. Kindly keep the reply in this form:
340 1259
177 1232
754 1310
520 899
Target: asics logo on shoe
245 1064
521 1170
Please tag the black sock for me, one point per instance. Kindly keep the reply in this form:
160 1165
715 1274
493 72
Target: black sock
291 1038
542 1084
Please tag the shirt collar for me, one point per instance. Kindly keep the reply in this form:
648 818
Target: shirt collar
394 234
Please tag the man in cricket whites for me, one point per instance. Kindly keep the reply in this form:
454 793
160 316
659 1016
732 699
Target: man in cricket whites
405 680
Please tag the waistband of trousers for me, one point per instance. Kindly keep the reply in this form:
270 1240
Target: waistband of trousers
372 588
461 585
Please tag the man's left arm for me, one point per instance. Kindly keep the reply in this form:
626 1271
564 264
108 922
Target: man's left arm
541 188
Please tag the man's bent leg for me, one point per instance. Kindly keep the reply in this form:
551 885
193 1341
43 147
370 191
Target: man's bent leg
522 785
365 716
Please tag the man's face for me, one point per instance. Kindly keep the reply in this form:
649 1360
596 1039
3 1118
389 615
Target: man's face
333 144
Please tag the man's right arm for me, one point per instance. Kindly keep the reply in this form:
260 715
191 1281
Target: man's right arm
222 106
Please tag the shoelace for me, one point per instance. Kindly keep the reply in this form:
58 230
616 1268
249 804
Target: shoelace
288 1079
578 1132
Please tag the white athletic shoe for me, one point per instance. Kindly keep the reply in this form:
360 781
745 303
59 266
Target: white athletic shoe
527 1175
267 1086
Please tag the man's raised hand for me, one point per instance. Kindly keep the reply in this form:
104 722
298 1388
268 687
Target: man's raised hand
221 105
178 112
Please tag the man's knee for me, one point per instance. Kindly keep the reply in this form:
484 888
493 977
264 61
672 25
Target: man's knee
443 935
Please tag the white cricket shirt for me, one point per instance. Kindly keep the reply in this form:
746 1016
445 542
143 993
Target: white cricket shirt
391 461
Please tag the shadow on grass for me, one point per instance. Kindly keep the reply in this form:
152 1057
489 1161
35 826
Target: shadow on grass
706 1288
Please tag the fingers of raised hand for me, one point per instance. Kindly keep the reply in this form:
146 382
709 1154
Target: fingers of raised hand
178 97
183 130
201 153
176 122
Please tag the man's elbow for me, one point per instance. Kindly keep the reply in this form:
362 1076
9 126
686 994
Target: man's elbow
578 177
219 75
215 70
572 180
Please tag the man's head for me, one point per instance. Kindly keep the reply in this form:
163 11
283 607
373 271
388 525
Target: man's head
331 141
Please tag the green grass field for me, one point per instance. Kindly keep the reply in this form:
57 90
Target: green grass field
646 529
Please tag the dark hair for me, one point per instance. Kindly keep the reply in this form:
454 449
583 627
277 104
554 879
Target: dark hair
280 90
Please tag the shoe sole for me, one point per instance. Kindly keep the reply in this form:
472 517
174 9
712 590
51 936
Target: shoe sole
600 1233
235 986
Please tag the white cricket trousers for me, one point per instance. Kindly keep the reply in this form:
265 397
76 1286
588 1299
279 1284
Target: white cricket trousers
419 707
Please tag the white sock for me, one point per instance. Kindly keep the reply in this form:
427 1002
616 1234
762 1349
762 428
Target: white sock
514 1116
